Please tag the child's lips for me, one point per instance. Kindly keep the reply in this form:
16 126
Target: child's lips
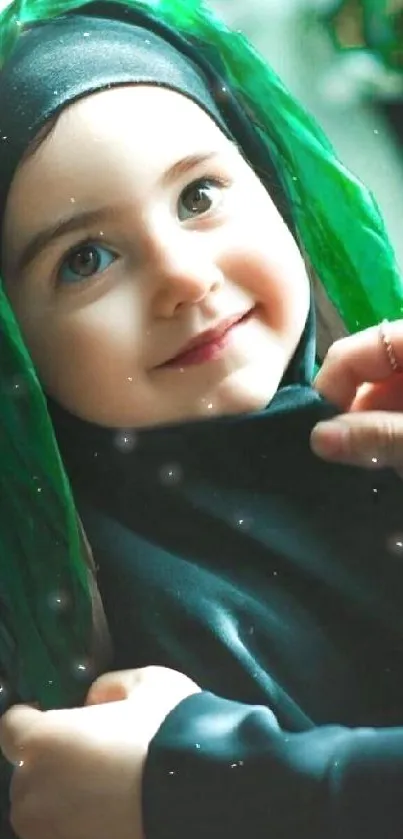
208 345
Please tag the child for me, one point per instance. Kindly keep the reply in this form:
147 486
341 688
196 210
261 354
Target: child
150 253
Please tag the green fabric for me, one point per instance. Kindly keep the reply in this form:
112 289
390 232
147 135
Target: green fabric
40 543
344 238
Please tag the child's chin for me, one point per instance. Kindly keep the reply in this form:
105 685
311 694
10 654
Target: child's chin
241 394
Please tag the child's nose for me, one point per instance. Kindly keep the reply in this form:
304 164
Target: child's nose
184 278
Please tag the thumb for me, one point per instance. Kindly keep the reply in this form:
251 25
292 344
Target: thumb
15 726
370 439
112 687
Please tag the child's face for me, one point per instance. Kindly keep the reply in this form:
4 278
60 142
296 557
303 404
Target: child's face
156 231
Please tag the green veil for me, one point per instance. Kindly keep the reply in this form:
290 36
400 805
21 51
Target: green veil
46 606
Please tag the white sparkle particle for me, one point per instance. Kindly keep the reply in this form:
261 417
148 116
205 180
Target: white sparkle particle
242 520
18 386
59 601
83 669
395 544
170 474
125 441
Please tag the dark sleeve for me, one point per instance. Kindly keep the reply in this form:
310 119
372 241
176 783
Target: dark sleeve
219 769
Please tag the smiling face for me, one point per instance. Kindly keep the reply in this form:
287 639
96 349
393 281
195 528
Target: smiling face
133 228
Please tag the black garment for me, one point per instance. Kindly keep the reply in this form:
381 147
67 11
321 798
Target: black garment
229 552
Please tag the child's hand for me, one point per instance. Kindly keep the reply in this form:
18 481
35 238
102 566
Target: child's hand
78 772
357 376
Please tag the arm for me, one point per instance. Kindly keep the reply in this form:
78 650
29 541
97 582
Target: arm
221 769
171 762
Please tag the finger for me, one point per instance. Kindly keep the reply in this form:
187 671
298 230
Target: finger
382 396
356 359
113 687
15 727
372 440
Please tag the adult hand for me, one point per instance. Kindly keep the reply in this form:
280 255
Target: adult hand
358 378
78 772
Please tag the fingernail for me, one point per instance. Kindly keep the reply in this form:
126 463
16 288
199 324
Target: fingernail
328 439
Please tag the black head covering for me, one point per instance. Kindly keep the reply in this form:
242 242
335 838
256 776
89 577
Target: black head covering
57 62
63 60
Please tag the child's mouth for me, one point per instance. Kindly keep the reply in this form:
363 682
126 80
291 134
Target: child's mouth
211 349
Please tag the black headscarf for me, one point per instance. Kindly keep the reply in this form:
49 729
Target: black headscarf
56 62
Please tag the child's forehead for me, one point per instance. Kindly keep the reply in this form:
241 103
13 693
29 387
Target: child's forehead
53 65
141 105
145 122
124 157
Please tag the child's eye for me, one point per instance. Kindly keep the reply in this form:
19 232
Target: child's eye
199 197
84 261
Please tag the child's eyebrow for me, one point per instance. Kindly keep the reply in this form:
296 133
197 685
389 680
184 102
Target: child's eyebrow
45 237
88 218
185 165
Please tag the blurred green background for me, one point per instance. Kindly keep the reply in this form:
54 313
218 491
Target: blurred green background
344 62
